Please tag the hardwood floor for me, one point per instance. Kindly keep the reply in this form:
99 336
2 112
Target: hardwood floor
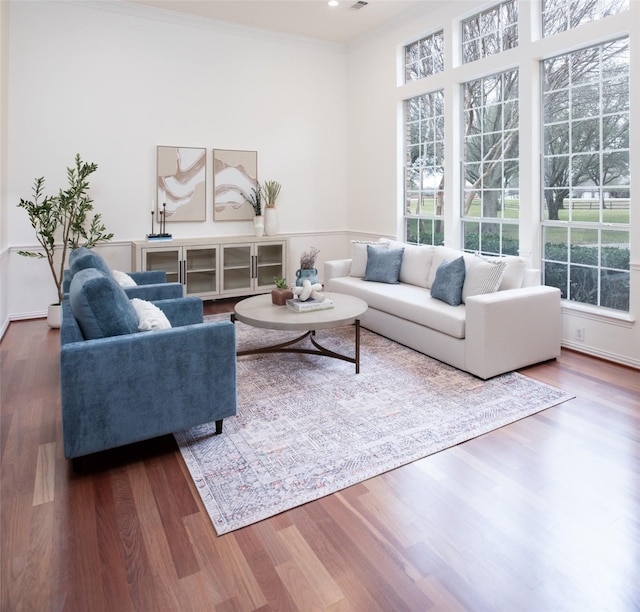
541 515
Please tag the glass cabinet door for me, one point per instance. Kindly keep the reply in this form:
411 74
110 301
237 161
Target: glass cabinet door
270 264
201 271
236 268
168 259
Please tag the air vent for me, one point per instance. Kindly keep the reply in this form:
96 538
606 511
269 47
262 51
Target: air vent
358 5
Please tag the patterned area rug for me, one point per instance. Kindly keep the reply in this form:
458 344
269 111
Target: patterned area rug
308 426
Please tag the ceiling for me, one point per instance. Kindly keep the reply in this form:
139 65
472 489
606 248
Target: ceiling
309 18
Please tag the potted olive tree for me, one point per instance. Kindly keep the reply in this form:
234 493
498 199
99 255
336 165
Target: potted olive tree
62 222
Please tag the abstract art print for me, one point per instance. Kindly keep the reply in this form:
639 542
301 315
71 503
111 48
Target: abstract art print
182 183
235 173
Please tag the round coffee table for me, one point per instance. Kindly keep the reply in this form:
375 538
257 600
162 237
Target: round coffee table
259 311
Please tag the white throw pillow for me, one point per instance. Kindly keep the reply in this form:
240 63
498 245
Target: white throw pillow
514 271
359 255
150 317
123 279
482 276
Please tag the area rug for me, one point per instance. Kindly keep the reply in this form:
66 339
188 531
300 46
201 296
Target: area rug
308 425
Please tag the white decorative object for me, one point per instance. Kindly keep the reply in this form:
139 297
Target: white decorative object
123 279
308 291
258 225
54 316
270 221
150 317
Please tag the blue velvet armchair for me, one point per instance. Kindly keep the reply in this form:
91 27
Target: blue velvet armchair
127 385
150 284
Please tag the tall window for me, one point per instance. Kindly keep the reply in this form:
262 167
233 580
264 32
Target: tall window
561 15
424 57
424 168
586 174
490 31
491 200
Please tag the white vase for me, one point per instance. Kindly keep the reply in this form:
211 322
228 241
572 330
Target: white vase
258 225
54 316
270 221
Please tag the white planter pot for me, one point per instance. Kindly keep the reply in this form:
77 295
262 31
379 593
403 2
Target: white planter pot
270 221
54 316
258 224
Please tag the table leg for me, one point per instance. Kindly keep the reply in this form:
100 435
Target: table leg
357 346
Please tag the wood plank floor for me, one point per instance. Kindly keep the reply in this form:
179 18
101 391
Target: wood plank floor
541 515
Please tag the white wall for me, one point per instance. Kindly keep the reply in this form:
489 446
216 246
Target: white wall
112 82
375 172
4 122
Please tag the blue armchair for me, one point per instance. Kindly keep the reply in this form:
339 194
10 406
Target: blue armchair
119 385
150 284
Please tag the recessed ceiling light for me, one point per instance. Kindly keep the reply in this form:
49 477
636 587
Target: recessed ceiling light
333 3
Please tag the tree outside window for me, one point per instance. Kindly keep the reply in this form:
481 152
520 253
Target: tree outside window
586 198
491 198
424 168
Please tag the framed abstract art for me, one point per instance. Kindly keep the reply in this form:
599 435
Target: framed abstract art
235 173
181 183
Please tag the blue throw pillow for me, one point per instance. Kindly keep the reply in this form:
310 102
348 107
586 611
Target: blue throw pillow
383 264
83 258
101 306
449 280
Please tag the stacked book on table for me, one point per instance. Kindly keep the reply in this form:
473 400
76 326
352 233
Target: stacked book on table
309 305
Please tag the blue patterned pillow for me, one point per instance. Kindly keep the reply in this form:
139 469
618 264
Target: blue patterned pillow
449 280
383 264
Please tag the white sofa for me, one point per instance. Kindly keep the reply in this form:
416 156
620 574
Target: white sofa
507 328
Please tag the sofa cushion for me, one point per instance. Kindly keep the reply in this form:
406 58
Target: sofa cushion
481 276
101 306
416 263
359 255
83 258
449 280
383 264
150 317
406 302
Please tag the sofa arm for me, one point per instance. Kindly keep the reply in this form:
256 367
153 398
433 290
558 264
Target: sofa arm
153 292
336 268
182 311
511 329
124 389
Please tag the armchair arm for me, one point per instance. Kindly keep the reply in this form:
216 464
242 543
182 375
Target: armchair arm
336 268
149 277
511 329
182 311
146 277
153 292
124 389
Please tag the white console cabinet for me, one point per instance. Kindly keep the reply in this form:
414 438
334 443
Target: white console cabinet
214 267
